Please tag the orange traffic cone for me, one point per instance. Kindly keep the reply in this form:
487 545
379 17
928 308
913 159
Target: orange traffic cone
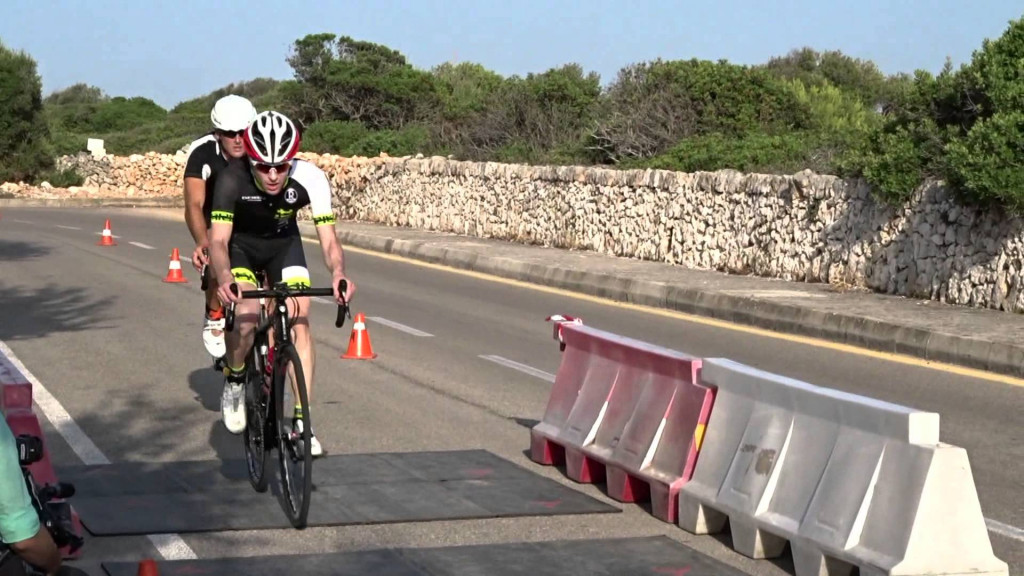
359 347
108 238
174 269
148 568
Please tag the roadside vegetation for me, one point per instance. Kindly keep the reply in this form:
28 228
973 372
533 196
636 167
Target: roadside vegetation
808 109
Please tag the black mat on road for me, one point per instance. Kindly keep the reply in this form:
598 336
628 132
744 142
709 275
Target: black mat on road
651 556
209 495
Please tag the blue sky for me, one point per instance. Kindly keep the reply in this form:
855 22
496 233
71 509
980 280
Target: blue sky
174 51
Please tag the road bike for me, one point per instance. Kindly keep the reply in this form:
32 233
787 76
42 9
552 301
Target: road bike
267 369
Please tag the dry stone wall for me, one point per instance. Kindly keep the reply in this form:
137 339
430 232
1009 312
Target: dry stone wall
804 227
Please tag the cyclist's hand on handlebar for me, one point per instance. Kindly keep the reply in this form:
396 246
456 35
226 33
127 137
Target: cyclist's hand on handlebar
350 290
226 295
200 257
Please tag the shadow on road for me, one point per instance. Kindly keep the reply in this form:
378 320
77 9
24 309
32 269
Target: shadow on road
14 250
208 384
48 309
526 422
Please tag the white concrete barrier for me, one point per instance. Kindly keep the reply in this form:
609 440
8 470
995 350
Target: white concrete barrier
847 480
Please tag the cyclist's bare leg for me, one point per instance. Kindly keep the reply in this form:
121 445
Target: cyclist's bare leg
303 341
213 324
239 341
212 301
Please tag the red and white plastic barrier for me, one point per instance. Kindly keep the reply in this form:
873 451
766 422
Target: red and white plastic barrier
625 411
847 481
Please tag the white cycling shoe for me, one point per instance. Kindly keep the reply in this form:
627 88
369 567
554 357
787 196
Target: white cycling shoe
232 407
214 343
314 445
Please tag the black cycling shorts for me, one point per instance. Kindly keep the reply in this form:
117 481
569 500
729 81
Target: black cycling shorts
282 259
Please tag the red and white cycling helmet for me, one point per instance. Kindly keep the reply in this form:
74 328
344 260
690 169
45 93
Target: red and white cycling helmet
271 138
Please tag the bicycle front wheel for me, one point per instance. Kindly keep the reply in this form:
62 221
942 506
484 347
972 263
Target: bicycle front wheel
293 451
257 440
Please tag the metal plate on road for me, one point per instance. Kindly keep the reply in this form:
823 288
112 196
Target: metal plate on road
654 556
210 495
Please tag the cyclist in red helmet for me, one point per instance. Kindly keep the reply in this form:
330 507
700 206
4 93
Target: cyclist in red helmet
255 202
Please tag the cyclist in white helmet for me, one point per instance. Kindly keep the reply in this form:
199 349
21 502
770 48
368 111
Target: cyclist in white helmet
207 157
255 203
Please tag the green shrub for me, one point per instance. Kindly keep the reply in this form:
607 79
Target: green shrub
334 136
753 152
988 165
408 141
24 138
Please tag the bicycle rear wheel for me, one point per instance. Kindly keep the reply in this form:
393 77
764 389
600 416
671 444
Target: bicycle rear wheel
257 436
293 450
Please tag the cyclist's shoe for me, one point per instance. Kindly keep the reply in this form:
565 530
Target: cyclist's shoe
314 444
213 333
232 403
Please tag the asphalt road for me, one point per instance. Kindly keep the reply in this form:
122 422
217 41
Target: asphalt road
121 352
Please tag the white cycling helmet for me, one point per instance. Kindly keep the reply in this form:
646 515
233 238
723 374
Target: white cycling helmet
232 113
271 138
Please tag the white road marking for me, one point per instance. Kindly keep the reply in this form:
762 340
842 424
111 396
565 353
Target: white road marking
141 245
397 326
384 321
67 227
58 416
1005 530
22 221
521 367
170 546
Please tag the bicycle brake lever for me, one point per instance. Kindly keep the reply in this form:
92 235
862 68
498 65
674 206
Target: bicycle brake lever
205 280
342 308
229 317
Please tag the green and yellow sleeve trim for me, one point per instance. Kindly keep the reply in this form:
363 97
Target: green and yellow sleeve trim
324 219
222 216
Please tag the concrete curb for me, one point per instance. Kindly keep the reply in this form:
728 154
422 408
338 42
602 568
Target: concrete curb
92 202
845 329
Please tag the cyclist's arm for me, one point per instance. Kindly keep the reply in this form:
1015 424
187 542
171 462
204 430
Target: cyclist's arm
195 195
19 522
196 171
334 256
225 193
319 189
220 233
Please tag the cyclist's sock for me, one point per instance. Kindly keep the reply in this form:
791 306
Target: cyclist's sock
215 314
298 412
235 375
